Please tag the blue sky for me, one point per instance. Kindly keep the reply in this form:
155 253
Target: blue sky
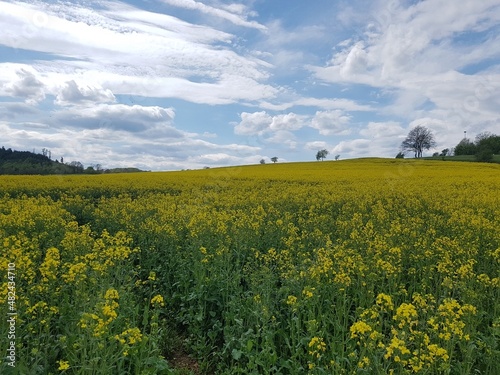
175 84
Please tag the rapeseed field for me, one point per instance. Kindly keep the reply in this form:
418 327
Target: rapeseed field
372 266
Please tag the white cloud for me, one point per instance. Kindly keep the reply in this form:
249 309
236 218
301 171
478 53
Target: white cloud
283 137
259 123
406 44
323 103
26 86
355 62
133 118
253 123
230 13
135 52
278 127
290 122
354 148
382 129
331 122
72 93
316 145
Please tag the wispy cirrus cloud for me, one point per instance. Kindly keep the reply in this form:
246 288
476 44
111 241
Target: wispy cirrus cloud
134 52
234 13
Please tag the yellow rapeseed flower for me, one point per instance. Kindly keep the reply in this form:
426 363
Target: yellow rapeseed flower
63 365
157 301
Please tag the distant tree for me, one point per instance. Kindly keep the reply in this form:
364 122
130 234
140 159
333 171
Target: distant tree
321 155
444 153
482 136
337 157
400 155
489 141
274 159
418 139
76 166
435 155
465 147
262 161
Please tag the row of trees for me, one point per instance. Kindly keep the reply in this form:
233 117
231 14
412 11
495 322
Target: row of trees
321 155
484 147
25 162
420 138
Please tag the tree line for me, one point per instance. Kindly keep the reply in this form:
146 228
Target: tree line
420 138
26 162
483 148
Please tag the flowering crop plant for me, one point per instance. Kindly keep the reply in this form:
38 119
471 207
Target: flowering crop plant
368 266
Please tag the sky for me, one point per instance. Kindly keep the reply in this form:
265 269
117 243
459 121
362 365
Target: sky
184 84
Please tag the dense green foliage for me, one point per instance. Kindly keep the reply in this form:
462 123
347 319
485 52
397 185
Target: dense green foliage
30 163
485 146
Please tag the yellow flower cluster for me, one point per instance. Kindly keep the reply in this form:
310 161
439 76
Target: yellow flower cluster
99 322
130 336
420 333
316 346
158 301
63 365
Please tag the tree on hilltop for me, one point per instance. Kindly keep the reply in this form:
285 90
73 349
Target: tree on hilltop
321 154
418 139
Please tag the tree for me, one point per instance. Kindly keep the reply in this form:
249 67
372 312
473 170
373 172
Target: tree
262 161
76 166
321 155
400 155
488 141
337 157
465 147
274 159
419 139
445 152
